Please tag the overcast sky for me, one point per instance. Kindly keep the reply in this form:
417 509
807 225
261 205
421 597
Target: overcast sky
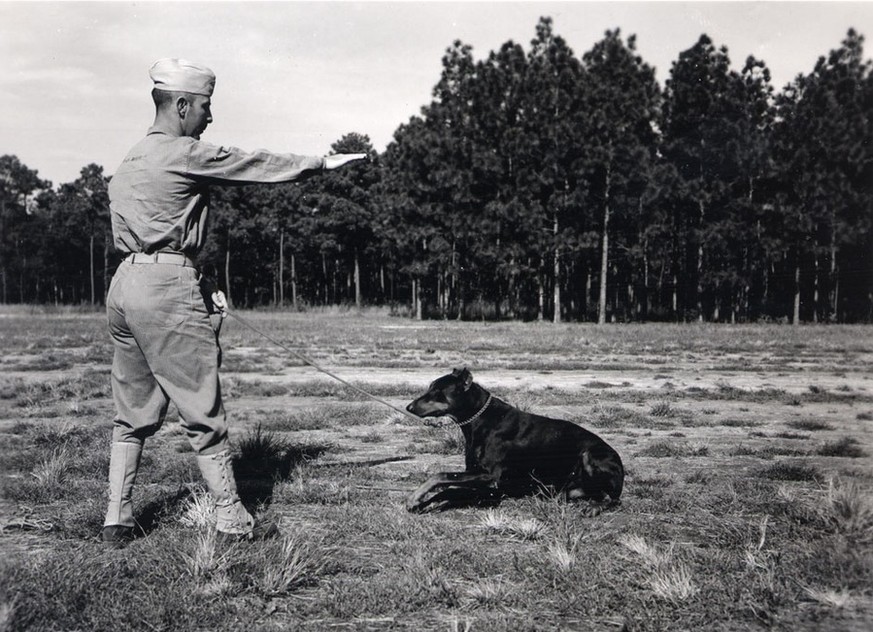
297 76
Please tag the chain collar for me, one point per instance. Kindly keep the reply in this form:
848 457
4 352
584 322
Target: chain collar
477 415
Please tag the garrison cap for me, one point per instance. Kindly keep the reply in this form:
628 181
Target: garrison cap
181 75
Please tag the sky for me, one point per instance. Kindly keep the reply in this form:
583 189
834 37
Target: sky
297 76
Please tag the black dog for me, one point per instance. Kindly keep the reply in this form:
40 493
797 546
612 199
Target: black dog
512 453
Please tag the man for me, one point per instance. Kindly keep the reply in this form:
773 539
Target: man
165 346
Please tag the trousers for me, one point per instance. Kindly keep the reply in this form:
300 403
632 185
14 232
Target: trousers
165 349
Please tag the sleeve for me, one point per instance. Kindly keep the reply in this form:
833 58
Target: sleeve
230 165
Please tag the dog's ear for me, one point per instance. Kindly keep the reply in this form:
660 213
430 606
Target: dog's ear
467 377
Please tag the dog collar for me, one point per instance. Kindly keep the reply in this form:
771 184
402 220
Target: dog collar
477 415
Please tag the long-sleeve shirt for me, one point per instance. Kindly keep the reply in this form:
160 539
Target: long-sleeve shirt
159 196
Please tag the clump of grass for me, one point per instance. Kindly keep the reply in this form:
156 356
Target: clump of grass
10 387
829 597
206 566
648 554
48 479
7 616
254 388
738 423
267 455
674 584
662 409
199 511
492 593
496 521
667 449
845 447
303 488
652 488
296 559
618 417
850 509
864 416
667 579
810 425
261 455
374 436
54 469
782 471
766 452
699 476
743 450
790 435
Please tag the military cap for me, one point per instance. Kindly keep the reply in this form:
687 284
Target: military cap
180 75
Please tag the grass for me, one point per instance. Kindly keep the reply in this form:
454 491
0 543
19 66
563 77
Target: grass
846 447
671 449
703 538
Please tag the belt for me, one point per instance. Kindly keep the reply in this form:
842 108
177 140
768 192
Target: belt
174 258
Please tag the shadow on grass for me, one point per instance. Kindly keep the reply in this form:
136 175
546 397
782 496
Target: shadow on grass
150 516
264 459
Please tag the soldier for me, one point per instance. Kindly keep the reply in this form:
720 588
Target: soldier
166 348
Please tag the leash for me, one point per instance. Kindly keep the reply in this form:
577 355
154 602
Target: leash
315 366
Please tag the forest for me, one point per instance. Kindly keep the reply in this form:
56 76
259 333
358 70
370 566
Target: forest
537 184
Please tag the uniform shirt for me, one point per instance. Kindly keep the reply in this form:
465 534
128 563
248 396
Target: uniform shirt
159 196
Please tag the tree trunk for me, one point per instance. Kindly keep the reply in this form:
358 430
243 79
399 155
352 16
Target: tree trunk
105 267
587 301
835 283
604 254
645 304
227 272
91 262
325 280
700 263
815 283
358 300
294 281
282 267
556 317
795 320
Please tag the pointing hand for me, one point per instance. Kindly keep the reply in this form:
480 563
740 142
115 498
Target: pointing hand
338 160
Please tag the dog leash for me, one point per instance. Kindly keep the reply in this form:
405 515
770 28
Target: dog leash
315 366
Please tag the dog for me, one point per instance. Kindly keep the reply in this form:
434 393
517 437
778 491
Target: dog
511 453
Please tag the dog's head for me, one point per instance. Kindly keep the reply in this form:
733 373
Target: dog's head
446 395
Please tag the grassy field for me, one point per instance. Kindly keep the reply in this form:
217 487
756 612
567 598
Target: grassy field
747 502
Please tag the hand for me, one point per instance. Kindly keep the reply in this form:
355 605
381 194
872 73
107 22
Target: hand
338 160
219 300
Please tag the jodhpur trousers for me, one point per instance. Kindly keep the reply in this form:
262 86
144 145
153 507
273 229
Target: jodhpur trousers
165 350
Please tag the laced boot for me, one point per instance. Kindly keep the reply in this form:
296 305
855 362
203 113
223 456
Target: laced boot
233 522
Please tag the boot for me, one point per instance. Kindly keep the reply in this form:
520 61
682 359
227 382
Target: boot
233 522
118 526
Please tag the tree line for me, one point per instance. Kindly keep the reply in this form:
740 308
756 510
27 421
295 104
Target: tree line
537 184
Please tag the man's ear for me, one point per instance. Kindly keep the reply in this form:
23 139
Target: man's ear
182 106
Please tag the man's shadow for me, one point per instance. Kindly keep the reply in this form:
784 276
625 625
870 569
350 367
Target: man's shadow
261 461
